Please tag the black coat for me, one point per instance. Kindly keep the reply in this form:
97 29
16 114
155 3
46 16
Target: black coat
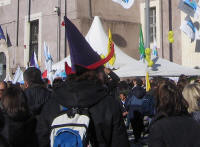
19 130
175 131
138 92
108 129
37 96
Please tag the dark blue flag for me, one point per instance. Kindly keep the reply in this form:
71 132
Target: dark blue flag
2 34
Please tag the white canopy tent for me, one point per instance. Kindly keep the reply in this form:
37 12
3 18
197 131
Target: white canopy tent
163 67
125 65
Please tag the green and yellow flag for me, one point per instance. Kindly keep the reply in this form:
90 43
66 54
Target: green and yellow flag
141 45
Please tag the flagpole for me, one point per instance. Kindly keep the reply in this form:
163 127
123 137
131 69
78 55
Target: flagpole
147 24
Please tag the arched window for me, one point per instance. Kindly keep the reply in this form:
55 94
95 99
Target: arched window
2 66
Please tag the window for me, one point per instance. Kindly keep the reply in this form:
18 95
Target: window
152 24
34 29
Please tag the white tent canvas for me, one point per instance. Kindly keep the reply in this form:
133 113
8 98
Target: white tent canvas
125 65
163 67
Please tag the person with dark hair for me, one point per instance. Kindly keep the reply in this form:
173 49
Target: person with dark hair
9 84
173 126
134 107
182 82
46 82
112 82
84 89
57 83
19 125
3 87
35 91
122 96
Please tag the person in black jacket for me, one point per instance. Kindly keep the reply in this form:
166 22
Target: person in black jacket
18 127
84 89
35 90
134 104
173 126
108 129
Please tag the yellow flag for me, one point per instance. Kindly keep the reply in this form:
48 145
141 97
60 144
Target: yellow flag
103 57
148 85
110 41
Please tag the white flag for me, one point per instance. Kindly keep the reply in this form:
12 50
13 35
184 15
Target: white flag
18 77
189 28
48 58
125 3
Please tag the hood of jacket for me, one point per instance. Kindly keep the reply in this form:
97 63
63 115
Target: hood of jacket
82 94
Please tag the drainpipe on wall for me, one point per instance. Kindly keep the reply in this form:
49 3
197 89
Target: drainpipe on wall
147 24
17 33
65 41
90 10
28 30
162 38
58 30
170 29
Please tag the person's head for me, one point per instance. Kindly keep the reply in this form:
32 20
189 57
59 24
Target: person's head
122 96
169 100
46 82
9 84
139 82
182 83
87 75
3 87
57 83
32 76
14 101
191 93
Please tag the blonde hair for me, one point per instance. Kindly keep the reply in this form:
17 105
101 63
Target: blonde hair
191 93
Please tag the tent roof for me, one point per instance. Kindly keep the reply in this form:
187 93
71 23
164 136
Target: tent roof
163 67
125 65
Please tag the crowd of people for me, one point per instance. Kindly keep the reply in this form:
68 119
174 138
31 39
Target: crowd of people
171 109
93 108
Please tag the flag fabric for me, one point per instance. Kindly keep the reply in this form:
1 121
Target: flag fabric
8 78
48 58
33 61
9 44
148 85
141 45
190 7
125 3
189 28
155 51
2 34
110 42
18 77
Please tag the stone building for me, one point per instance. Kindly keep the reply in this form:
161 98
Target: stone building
27 24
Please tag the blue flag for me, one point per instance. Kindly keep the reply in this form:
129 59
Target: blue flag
2 34
33 61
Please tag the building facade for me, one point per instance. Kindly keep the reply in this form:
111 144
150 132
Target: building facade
27 24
